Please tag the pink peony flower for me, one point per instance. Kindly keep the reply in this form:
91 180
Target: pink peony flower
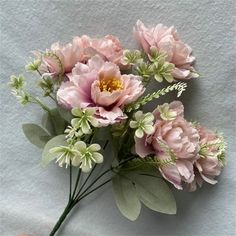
62 58
211 158
175 144
165 39
100 84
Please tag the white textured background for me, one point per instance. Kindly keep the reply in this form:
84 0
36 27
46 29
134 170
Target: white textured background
32 198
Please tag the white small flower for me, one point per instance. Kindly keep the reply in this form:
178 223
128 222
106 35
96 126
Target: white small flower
143 123
87 155
166 113
73 132
85 118
65 154
79 155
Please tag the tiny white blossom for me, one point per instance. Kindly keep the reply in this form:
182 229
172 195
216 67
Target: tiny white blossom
72 132
87 155
143 123
166 113
79 155
82 123
65 154
85 118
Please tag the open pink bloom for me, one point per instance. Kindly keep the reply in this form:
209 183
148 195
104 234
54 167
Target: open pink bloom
209 165
175 144
100 84
165 39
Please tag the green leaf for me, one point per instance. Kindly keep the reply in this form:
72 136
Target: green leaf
35 134
154 193
48 124
126 197
47 157
53 122
169 78
58 122
138 166
158 78
65 114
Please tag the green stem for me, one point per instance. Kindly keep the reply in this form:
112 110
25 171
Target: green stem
52 98
70 206
75 200
37 101
77 182
99 177
63 216
86 180
91 191
70 180
39 72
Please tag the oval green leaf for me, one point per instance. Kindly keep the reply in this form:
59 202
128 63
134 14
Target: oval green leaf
154 193
65 114
126 197
47 123
35 134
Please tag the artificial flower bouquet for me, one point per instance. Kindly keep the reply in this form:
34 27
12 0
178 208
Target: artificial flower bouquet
99 91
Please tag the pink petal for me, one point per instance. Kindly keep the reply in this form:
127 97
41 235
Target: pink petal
180 73
142 148
171 174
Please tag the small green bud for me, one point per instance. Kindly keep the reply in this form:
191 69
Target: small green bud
144 69
162 70
155 55
46 84
132 57
17 82
22 96
33 66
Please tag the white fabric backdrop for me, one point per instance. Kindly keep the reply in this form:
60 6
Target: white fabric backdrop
32 198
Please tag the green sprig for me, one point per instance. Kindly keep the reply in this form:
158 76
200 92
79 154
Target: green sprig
180 87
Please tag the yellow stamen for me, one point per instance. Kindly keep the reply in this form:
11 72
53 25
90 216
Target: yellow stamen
110 85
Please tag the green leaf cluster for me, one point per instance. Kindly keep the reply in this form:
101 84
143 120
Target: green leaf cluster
137 184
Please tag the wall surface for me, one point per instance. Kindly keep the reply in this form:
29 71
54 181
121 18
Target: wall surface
32 198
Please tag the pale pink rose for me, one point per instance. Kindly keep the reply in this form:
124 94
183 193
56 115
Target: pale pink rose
100 84
209 164
165 39
176 142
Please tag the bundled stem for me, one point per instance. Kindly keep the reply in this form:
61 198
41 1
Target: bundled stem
75 199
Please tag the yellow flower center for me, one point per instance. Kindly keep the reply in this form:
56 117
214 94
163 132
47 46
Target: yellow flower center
110 85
